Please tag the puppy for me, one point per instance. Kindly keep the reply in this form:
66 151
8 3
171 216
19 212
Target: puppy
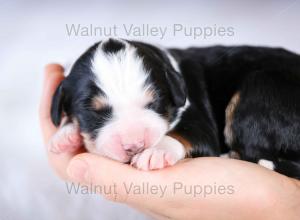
151 107
129 101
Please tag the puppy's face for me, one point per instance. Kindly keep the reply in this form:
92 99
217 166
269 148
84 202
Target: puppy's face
124 96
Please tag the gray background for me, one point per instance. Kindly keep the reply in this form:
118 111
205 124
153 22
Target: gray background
34 33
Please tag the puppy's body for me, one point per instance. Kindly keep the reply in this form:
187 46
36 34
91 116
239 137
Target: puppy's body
160 106
255 96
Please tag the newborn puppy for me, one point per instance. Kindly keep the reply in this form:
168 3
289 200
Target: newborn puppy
129 102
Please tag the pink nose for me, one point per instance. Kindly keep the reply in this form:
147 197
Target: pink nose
133 139
137 144
134 148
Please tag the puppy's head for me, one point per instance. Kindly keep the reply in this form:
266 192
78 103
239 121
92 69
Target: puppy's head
124 95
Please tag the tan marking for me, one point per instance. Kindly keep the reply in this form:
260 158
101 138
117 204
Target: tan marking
98 102
187 145
88 142
229 114
75 121
150 94
147 97
63 121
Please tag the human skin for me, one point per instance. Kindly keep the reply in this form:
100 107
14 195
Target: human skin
258 193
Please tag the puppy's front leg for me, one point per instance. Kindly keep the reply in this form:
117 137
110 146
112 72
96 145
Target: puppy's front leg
66 139
166 153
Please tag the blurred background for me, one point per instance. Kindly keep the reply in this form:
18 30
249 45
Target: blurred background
34 33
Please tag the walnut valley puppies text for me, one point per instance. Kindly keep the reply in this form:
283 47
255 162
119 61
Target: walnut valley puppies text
146 188
149 30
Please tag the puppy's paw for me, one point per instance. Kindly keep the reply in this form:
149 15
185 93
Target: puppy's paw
166 153
66 139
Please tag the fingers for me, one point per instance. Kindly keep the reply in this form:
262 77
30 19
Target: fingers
54 74
52 78
92 169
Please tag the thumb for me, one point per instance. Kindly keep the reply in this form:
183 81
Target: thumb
104 173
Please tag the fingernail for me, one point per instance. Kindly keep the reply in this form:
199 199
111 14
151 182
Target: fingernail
78 170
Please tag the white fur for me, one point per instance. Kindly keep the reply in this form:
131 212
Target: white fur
67 138
167 152
130 126
180 111
172 145
267 164
122 77
173 62
225 155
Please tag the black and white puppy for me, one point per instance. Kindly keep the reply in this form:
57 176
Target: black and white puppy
151 107
129 101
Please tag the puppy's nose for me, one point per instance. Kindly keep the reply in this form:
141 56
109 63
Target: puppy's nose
134 148
137 144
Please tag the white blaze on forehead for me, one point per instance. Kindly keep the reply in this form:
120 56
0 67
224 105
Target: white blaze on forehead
121 75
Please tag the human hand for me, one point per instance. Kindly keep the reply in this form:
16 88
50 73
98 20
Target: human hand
53 75
257 193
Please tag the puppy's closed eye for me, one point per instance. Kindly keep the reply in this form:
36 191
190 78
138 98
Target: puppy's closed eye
151 105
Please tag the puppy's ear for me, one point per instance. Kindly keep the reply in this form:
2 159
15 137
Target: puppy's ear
57 107
177 87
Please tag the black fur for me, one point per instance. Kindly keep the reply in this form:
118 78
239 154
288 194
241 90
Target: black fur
266 121
197 124
57 107
162 73
112 46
